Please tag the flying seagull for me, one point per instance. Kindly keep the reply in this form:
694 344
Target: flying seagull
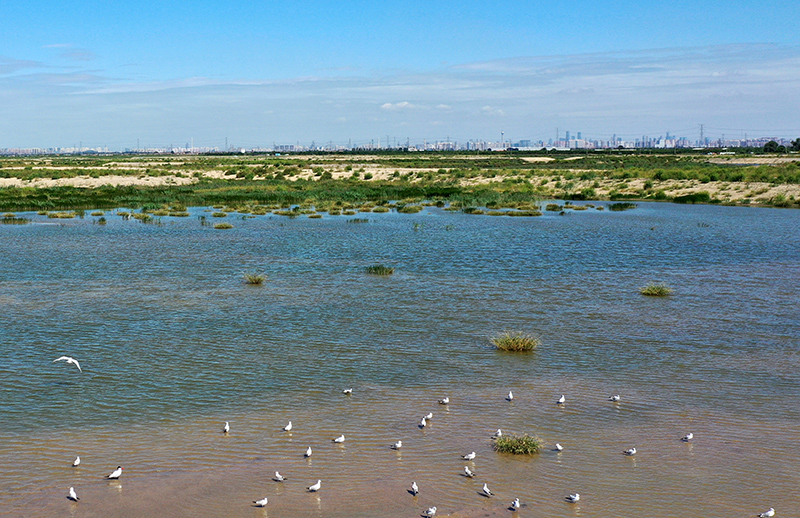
278 477
444 401
339 439
414 489
226 428
573 498
261 503
288 427
629 452
487 491
688 437
73 495
315 487
469 456
69 359
769 513
115 474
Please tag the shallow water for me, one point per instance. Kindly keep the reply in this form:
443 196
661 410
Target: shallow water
173 343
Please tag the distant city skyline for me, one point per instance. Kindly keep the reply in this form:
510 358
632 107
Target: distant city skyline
82 74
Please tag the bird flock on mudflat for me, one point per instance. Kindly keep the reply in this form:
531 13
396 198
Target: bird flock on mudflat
515 505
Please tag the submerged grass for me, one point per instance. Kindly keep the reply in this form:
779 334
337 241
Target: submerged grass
515 341
379 269
518 444
655 290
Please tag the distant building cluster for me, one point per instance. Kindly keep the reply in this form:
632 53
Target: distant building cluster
567 142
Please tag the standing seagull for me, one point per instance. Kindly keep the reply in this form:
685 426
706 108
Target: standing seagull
498 433
510 396
431 512
428 416
514 505
76 462
561 400
347 391
768 513
339 439
288 427
414 489
278 477
444 401
573 498
558 447
614 398
487 491
308 452
630 452
73 495
469 456
397 445
115 474
261 503
423 423
315 487
688 437
69 359
226 428
468 473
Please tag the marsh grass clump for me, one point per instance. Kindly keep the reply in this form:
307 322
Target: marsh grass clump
316 215
255 279
517 444
97 213
410 209
223 226
553 207
516 341
656 290
218 214
13 220
379 269
380 209
625 205
60 215
358 220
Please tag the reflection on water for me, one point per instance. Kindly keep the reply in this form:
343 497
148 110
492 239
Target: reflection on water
173 344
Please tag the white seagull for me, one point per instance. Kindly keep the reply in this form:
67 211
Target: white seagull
768 513
561 400
288 427
347 392
487 491
69 359
688 437
444 401
261 503
429 415
76 462
573 498
226 428
397 445
339 439
73 495
510 396
116 473
423 423
414 488
498 433
614 398
308 452
468 473
468 456
279 477
558 447
515 504
629 452
430 512
315 487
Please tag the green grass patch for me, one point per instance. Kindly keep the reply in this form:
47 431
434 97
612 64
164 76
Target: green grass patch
223 226
623 205
655 290
379 269
515 341
518 444
253 278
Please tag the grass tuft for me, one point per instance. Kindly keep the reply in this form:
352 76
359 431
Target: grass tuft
515 341
379 269
656 290
223 226
255 278
518 444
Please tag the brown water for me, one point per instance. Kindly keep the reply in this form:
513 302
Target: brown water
172 345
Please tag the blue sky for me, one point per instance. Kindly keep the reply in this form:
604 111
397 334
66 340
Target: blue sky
107 74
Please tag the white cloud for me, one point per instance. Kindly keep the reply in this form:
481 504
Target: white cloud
397 106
